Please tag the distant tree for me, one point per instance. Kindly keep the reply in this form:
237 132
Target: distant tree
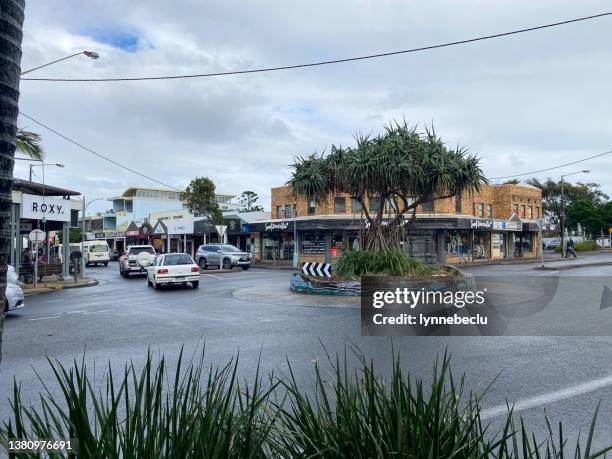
248 200
551 195
401 167
587 213
200 199
511 182
28 143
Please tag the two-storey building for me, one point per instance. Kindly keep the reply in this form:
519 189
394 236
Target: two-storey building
499 222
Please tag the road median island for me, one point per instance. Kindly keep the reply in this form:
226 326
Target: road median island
50 286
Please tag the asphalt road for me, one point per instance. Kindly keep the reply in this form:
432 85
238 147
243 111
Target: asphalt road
120 319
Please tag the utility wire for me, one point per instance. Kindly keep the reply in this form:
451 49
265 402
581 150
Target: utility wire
552 168
334 61
106 158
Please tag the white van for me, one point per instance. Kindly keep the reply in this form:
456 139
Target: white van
95 252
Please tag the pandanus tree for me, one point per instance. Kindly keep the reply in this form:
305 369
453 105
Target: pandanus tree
401 167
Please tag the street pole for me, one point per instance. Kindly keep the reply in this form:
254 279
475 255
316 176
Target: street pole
295 239
541 224
562 221
83 241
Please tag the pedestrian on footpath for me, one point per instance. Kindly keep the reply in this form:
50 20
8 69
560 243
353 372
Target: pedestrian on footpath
461 252
570 248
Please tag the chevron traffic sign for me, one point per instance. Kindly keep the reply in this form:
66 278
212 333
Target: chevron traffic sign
317 269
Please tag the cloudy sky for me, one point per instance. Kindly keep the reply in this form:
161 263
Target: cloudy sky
521 103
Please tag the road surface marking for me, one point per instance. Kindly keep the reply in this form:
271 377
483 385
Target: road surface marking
53 301
551 397
212 275
45 318
549 273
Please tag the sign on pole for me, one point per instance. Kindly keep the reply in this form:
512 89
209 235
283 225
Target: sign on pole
610 230
36 236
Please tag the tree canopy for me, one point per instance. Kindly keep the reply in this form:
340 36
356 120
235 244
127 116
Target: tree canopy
200 199
401 167
248 202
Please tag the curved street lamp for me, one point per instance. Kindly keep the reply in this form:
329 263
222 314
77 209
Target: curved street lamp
89 54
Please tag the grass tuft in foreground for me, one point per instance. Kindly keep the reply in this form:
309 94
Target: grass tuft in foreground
201 411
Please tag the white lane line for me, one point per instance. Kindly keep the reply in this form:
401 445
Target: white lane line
53 301
549 273
551 397
45 318
212 275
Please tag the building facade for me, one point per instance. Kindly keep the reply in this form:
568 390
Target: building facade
499 222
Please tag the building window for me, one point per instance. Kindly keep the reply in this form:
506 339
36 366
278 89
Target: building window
313 243
530 213
311 207
373 203
490 210
428 206
356 205
279 212
458 204
522 211
537 212
391 205
288 211
294 210
515 209
479 209
339 205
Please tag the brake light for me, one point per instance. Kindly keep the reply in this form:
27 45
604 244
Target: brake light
162 271
195 269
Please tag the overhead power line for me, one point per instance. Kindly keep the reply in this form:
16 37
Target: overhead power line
552 168
333 61
106 158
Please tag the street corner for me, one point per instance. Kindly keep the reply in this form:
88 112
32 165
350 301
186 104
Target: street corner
48 287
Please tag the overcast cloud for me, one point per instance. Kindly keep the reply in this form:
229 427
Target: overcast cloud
521 103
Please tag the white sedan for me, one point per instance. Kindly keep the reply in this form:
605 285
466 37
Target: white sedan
173 268
13 296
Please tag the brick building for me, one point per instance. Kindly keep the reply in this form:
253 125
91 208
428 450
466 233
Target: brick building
500 221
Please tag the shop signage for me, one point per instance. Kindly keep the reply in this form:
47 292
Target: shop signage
508 225
481 224
179 222
132 233
99 235
277 226
50 208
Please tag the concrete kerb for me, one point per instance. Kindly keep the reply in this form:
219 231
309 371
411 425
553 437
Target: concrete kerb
87 282
576 266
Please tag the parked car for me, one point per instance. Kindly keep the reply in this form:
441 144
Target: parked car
551 243
96 252
14 294
136 259
173 268
224 255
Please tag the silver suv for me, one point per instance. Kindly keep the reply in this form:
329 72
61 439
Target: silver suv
222 255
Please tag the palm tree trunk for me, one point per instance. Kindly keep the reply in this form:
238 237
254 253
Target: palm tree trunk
11 23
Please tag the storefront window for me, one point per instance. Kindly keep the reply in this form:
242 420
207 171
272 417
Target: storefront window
515 209
481 245
479 209
339 205
428 206
288 213
454 242
313 243
277 246
337 245
530 212
522 211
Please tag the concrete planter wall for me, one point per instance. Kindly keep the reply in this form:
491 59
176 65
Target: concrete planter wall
452 278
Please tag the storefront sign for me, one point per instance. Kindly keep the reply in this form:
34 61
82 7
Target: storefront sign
276 226
481 224
508 225
50 208
99 235
175 222
132 233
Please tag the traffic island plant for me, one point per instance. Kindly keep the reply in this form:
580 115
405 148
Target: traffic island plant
582 246
350 411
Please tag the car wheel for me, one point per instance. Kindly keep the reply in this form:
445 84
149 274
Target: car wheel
155 286
195 284
149 283
202 263
106 263
6 305
244 268
227 264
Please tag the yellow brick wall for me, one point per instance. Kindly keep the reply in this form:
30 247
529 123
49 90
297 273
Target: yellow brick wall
501 197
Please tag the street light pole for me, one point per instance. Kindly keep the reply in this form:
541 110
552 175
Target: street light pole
41 164
562 218
89 54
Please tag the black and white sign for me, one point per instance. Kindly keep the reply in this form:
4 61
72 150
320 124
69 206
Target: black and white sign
317 269
50 208
277 226
481 224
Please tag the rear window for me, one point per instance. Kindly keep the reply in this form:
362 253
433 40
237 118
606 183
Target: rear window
179 259
98 248
137 250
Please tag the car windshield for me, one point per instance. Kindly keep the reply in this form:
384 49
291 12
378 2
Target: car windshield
178 259
137 250
229 248
98 248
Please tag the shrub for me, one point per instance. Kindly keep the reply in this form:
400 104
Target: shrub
390 262
202 411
